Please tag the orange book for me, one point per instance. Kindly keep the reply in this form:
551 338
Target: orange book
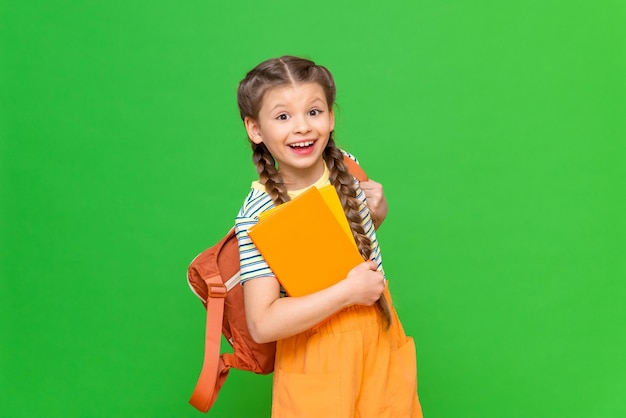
330 196
305 244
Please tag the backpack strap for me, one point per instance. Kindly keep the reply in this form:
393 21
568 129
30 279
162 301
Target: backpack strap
213 372
354 168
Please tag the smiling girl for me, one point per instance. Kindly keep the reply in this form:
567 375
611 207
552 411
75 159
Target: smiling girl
341 352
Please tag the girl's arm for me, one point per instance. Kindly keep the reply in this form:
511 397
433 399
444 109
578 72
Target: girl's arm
271 317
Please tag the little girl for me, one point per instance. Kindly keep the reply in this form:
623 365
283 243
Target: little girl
341 352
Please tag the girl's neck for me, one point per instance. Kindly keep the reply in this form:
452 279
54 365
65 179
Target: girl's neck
302 178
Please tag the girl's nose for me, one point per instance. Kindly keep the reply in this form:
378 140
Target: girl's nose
301 125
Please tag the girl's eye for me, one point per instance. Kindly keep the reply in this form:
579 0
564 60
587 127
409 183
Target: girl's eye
282 116
314 112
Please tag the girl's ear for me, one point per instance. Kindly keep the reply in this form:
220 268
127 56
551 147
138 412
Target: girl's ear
252 127
332 120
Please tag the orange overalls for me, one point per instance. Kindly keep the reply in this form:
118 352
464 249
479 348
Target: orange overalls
347 367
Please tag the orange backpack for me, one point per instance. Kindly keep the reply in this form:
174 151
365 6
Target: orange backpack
214 277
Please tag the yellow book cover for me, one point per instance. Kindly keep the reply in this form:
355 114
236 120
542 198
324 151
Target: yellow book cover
305 243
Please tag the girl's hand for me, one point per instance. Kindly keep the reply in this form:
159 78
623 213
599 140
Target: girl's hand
376 201
365 284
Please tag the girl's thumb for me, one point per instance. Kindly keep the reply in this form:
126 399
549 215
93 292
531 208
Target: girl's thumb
372 265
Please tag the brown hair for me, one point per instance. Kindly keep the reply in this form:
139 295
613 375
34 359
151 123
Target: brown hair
293 70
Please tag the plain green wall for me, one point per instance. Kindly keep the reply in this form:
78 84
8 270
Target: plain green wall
498 130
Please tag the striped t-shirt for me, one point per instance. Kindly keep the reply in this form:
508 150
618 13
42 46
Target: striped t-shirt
252 263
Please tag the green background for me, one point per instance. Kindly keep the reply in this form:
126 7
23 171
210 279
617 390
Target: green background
497 129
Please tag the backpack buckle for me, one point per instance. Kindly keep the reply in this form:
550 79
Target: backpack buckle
217 290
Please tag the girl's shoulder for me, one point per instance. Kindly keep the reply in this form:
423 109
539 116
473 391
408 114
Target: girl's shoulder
351 156
356 181
256 201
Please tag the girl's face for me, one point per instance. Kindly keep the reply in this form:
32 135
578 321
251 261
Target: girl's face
294 123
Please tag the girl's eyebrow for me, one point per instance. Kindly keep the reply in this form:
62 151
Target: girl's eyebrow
279 105
276 107
317 99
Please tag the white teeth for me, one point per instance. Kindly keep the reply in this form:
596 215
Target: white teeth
301 144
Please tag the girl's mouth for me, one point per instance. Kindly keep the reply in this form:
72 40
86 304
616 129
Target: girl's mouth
303 144
303 148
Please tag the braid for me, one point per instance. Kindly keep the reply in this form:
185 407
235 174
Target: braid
268 175
344 184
